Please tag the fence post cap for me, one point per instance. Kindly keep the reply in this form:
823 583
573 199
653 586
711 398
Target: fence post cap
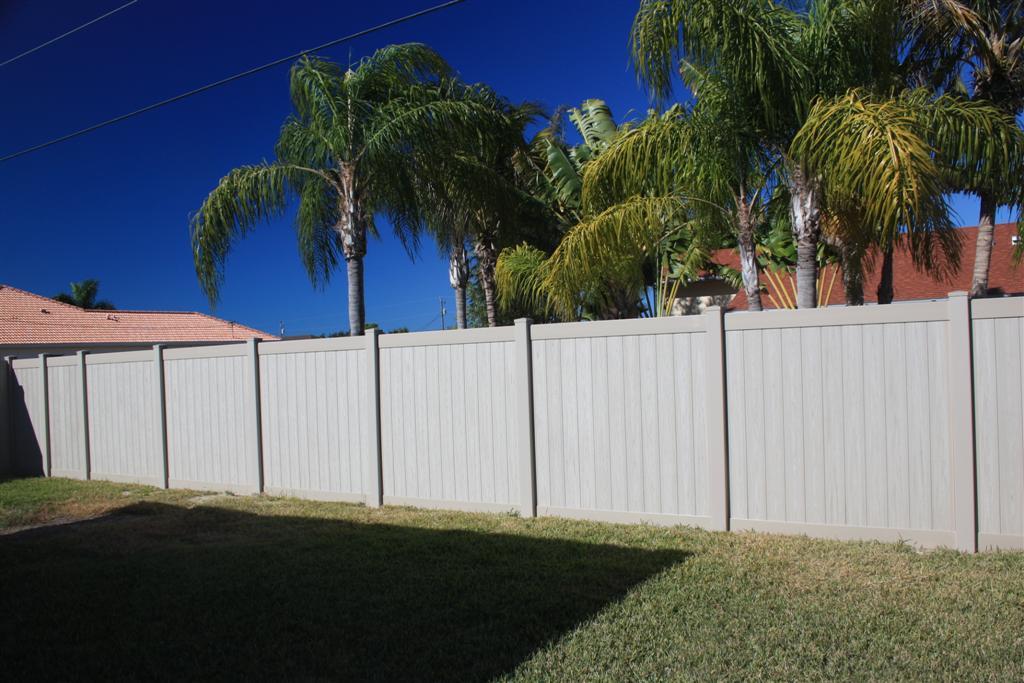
958 294
524 321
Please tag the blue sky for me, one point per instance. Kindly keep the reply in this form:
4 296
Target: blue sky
114 205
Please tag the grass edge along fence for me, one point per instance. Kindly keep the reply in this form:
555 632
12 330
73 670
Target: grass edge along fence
891 422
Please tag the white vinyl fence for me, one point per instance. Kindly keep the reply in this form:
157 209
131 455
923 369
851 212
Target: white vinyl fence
883 422
999 420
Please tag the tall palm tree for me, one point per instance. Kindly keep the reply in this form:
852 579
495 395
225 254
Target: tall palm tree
458 278
976 49
343 156
83 294
893 158
778 57
471 200
700 168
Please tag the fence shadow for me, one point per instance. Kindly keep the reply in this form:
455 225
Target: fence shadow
26 455
166 592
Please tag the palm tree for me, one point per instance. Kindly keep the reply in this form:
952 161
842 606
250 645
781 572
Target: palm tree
648 216
83 294
860 154
776 58
891 158
552 171
344 157
458 277
976 49
698 170
471 200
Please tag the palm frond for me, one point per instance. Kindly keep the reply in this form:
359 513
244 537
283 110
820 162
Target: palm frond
981 144
751 43
609 250
899 157
315 87
320 244
243 198
650 159
306 144
393 68
874 153
520 275
431 118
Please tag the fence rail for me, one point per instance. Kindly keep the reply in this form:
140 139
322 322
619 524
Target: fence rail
883 422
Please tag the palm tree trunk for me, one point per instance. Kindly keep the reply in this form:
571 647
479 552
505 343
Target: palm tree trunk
853 275
885 286
460 308
356 306
748 260
983 250
487 259
806 214
458 276
352 229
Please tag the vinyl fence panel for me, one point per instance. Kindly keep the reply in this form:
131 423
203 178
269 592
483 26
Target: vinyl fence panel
838 422
67 418
447 419
26 414
998 330
211 432
315 418
124 417
619 420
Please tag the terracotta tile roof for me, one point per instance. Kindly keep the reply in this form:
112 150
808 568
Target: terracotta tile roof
909 284
30 319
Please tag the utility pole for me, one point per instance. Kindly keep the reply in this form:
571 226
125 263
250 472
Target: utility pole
440 300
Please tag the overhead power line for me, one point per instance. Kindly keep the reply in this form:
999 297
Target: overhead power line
229 79
68 33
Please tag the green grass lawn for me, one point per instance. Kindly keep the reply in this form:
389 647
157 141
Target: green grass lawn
178 585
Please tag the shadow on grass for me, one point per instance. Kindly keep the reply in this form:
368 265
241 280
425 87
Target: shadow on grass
159 591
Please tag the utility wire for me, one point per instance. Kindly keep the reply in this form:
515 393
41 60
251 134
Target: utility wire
65 35
229 79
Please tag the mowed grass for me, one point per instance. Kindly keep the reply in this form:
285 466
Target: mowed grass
180 585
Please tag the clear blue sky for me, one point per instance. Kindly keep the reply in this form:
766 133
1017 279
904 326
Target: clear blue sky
114 205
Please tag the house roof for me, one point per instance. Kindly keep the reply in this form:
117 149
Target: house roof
909 283
30 319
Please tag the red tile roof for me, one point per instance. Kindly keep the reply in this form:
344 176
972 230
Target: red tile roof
909 284
30 319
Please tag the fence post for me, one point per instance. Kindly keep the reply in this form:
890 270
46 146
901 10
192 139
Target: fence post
374 457
158 366
254 368
524 418
6 451
45 392
961 423
83 379
716 421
